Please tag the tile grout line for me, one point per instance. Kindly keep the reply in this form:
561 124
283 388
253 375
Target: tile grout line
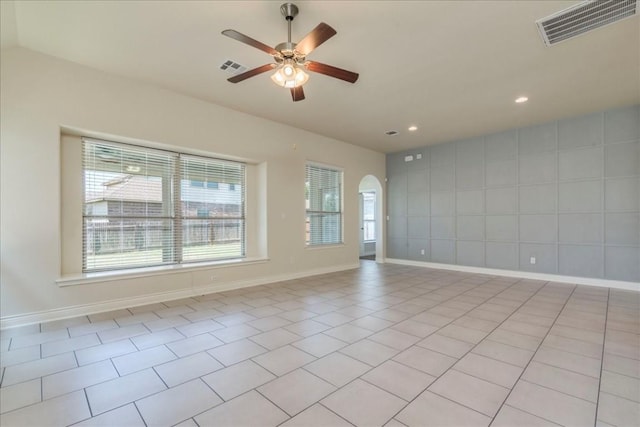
374 332
129 340
635 402
405 300
534 355
604 342
233 398
139 413
489 333
533 415
552 389
471 349
86 397
399 351
329 409
153 368
565 369
206 384
455 318
275 404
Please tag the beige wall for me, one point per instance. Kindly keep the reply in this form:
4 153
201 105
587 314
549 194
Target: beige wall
41 95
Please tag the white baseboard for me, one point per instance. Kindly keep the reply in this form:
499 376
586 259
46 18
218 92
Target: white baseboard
606 283
117 304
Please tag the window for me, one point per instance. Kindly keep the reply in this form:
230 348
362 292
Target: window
145 207
323 195
369 216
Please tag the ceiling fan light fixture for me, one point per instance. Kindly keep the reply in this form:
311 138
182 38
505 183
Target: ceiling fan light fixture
290 75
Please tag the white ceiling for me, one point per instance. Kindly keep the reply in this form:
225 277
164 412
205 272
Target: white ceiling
453 68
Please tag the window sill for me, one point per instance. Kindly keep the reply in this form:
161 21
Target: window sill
327 246
109 276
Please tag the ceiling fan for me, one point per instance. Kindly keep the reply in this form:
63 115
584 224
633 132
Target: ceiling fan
290 58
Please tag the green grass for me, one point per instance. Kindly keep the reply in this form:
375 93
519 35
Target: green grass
154 256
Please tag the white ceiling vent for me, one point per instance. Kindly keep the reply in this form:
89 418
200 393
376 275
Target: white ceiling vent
232 67
585 16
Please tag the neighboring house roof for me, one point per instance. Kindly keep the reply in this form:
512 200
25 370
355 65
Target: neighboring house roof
139 188
130 188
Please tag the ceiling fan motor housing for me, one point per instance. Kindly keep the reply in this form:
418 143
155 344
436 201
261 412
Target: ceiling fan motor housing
287 49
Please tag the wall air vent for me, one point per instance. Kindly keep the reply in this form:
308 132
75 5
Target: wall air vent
583 17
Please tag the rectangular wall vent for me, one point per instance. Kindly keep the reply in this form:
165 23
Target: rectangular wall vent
584 17
232 67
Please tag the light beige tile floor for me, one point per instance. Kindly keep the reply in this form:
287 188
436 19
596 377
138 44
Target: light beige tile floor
381 345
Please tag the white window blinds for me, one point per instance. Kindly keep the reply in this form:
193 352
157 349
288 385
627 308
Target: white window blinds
145 207
212 200
323 205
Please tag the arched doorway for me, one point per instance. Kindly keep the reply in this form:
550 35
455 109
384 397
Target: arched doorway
371 219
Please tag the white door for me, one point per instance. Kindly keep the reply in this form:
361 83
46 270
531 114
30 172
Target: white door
367 223
361 200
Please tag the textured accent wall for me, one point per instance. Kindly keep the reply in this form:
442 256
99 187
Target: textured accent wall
565 192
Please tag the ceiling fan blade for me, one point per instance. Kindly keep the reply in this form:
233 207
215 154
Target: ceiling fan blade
315 38
328 70
297 93
251 73
251 42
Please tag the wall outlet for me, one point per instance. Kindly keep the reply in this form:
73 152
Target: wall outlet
421 251
408 158
532 260
418 156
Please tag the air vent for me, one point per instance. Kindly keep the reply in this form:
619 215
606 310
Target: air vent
584 17
232 67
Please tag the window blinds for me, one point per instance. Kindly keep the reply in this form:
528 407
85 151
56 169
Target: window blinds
324 205
141 208
212 208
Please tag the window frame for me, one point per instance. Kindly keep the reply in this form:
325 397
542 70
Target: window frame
176 215
340 212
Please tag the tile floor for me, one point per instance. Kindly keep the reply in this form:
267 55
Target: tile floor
381 345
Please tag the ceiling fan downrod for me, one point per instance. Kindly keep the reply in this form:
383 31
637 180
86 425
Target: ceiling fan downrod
289 11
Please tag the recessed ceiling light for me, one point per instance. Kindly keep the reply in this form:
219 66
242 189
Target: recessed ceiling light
413 128
521 99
